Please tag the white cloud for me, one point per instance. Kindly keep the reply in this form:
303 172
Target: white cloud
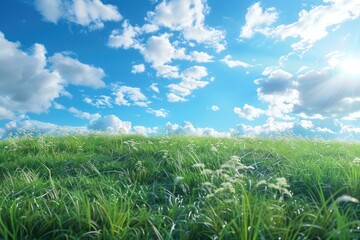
258 20
160 51
146 131
307 124
191 80
50 9
234 63
139 68
276 81
6 114
201 57
102 101
87 13
271 127
126 38
111 124
58 106
188 129
315 24
249 112
175 98
215 108
26 84
77 73
158 113
330 92
324 130
278 89
128 96
195 72
84 115
154 87
24 124
188 16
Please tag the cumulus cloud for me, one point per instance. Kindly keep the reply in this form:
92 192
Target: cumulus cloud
171 97
129 96
188 17
146 131
249 112
330 92
311 26
77 73
258 21
6 114
160 52
188 129
87 13
201 57
307 124
215 108
126 38
24 124
102 101
278 89
315 24
84 115
26 84
271 127
154 87
276 81
234 63
139 68
158 113
191 80
111 124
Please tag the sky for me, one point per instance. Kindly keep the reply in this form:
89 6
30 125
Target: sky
198 67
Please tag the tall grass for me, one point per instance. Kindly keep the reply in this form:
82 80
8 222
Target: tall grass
133 187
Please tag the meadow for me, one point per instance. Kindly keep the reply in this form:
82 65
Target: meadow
134 187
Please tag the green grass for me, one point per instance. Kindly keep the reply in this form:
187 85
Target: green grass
133 187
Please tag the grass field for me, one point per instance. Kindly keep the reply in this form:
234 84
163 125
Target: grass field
133 187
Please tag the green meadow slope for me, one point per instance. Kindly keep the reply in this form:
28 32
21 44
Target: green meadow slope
132 187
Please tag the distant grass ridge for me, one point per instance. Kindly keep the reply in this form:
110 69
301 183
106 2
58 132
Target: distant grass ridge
134 187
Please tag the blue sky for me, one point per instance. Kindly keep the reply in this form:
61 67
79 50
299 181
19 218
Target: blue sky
201 67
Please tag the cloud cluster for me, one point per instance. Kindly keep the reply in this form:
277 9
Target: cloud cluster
77 73
158 113
186 20
187 128
87 13
127 96
188 17
312 25
249 112
331 92
234 63
26 84
258 21
111 124
30 82
191 80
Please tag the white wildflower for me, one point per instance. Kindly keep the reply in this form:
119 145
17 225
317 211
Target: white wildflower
356 161
207 172
262 182
281 182
213 149
178 179
346 199
198 165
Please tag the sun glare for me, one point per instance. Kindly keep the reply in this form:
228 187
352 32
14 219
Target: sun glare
351 67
